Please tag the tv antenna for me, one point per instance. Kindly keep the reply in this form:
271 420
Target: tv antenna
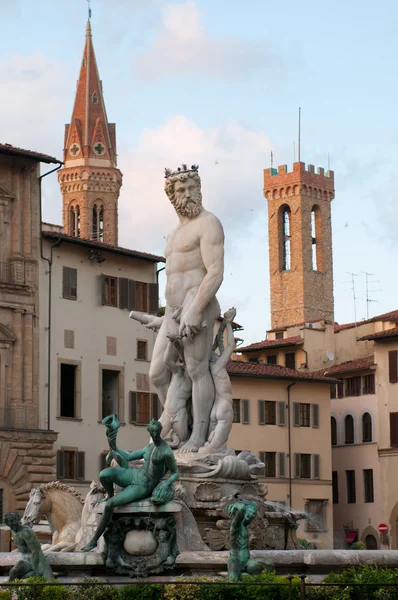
299 135
354 297
368 299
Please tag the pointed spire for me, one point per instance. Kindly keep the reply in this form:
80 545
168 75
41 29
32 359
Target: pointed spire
89 135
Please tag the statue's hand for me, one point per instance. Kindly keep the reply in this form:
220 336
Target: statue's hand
191 323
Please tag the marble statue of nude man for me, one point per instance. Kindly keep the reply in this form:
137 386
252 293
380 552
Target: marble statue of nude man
194 270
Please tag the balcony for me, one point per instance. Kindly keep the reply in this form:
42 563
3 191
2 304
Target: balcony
19 417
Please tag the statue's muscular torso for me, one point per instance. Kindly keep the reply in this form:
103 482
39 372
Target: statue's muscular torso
184 265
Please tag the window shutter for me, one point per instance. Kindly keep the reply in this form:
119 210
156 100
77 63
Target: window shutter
80 465
315 415
73 283
297 463
132 295
133 407
372 387
123 292
281 464
156 406
281 413
357 386
394 429
60 464
153 293
296 414
103 460
261 412
262 456
340 389
245 412
65 282
393 365
315 466
102 283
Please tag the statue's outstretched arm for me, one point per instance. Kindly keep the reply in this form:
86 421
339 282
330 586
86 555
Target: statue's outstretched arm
225 356
150 321
172 465
135 455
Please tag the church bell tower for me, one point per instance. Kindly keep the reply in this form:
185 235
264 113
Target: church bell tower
300 244
90 180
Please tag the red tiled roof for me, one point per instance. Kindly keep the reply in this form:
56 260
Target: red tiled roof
381 334
349 366
292 341
389 316
101 246
14 151
241 369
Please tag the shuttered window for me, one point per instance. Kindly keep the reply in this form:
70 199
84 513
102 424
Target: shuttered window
245 412
123 293
109 291
266 412
290 360
303 466
315 415
261 412
69 283
281 413
335 487
340 389
368 384
394 429
281 464
353 386
368 485
305 415
142 350
315 466
393 366
70 464
141 296
236 409
351 491
349 430
333 427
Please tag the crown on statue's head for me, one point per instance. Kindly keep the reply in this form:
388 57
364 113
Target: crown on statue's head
183 169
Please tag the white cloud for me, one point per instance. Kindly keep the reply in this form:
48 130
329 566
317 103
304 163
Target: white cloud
183 47
231 159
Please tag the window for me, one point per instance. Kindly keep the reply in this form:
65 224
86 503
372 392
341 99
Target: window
144 407
333 391
353 386
68 390
305 415
335 487
270 464
366 428
349 430
110 291
307 466
333 424
245 412
110 392
368 485
316 246
98 223
269 412
94 98
74 219
70 464
340 389
279 335
69 338
142 350
290 360
254 359
111 345
69 283
393 366
272 359
1 505
285 238
142 296
394 429
316 511
368 384
236 408
351 492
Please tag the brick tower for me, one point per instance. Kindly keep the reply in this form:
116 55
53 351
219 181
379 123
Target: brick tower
300 244
90 180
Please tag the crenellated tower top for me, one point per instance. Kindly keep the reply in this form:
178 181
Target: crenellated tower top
300 243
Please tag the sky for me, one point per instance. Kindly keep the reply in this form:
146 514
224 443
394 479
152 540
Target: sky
219 83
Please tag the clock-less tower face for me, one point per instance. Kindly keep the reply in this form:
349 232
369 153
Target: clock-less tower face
74 149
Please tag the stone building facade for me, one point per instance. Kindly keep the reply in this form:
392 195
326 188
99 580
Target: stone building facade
26 450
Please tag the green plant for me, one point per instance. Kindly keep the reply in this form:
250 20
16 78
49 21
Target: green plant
96 591
358 546
304 544
146 591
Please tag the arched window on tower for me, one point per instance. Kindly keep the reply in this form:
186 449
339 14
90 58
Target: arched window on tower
285 239
349 429
366 427
98 222
72 221
77 217
316 240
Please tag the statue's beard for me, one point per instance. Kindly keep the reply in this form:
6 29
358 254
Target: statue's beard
189 208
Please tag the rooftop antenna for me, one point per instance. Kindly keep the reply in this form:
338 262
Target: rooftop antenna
353 275
368 299
299 135
89 9
272 159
